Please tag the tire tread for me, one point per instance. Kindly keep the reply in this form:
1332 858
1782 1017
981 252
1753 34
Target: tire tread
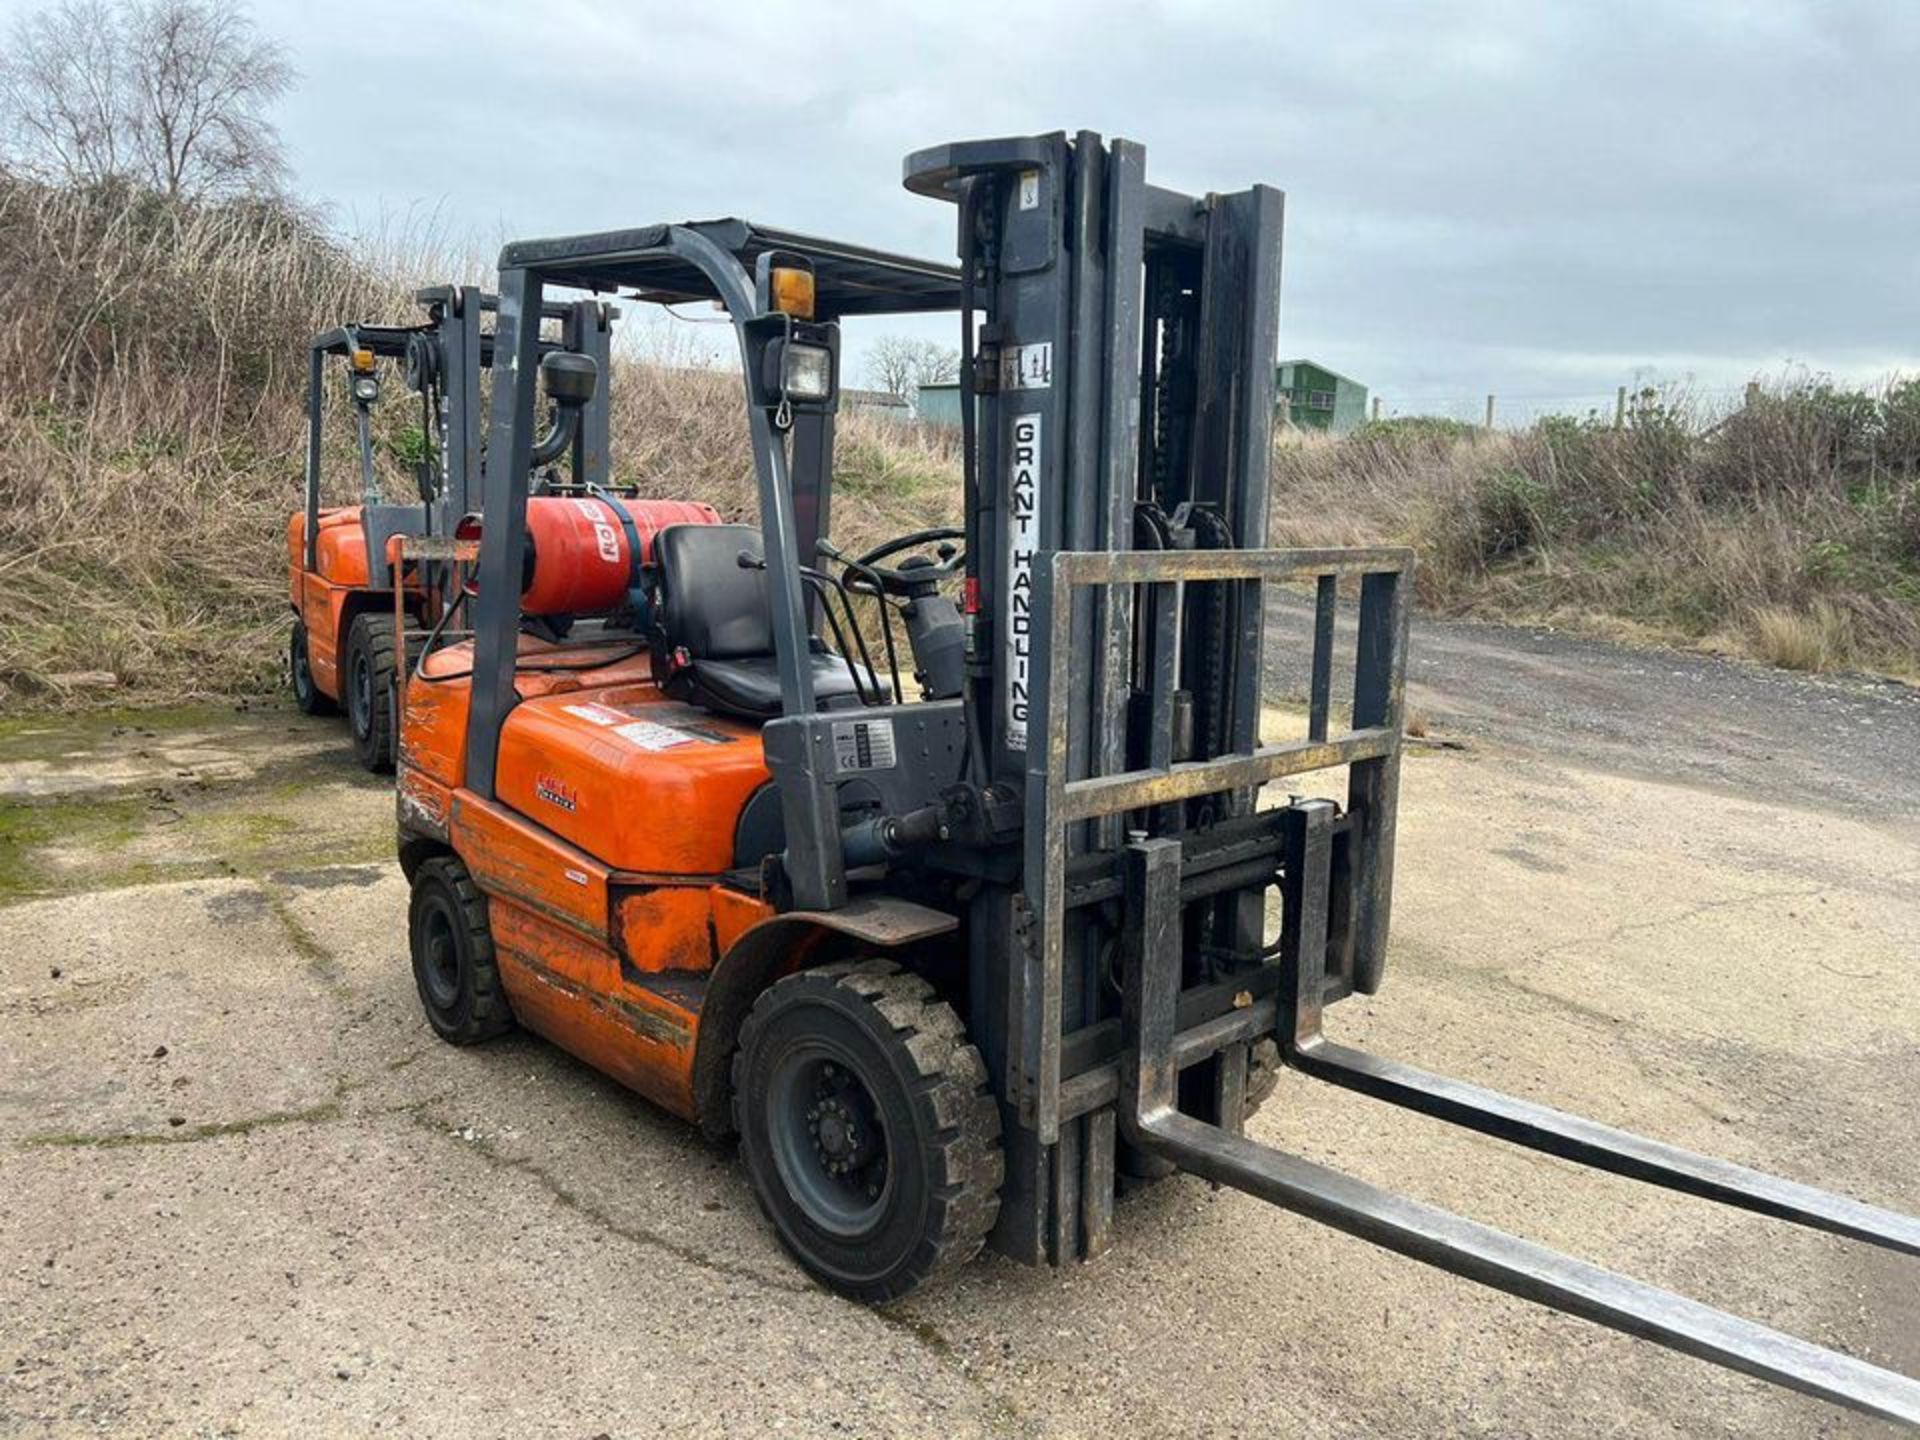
368 630
949 1085
490 1014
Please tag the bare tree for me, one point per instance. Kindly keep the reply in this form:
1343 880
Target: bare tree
899 364
170 94
202 81
62 88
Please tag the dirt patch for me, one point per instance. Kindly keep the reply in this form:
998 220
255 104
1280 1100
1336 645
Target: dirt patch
112 805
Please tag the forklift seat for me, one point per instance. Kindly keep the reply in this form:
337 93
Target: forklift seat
715 622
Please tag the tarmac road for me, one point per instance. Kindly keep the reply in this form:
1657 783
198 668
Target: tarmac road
1693 719
244 1191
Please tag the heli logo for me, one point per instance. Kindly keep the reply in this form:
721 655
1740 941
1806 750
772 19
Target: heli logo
556 792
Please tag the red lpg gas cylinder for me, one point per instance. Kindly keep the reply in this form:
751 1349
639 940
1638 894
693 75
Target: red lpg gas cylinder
579 558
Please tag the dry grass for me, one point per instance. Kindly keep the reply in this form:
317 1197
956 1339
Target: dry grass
152 361
1789 532
152 375
152 433
1816 639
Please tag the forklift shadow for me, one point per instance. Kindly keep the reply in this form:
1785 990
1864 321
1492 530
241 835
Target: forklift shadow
613 1114
535 1109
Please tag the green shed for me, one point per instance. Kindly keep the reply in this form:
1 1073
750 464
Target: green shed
938 404
1316 398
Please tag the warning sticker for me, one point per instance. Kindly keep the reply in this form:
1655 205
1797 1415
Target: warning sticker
1027 367
649 735
1029 189
862 745
595 714
1023 538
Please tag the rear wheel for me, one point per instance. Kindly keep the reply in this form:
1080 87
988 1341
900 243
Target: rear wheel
867 1127
307 697
453 959
370 690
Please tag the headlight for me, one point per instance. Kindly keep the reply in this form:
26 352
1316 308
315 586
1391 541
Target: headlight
366 390
809 372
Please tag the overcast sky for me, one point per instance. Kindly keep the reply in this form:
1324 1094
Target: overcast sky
1541 200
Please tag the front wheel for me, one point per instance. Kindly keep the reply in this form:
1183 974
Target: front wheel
370 690
867 1127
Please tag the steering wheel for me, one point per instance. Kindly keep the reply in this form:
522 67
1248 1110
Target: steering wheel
917 571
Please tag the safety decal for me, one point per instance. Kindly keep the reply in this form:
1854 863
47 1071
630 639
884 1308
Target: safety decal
1027 367
604 716
650 735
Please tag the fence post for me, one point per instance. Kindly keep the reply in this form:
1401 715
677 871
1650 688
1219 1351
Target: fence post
1489 412
1376 407
1286 410
1620 408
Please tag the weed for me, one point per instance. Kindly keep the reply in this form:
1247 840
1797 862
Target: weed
1814 639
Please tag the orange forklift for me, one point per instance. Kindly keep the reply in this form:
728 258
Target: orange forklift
956 941
340 573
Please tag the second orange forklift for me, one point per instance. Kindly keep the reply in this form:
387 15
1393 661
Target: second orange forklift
341 580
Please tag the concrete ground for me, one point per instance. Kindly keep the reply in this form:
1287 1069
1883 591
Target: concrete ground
244 1191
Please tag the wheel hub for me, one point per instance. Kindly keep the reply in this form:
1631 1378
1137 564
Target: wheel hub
443 959
843 1130
839 1139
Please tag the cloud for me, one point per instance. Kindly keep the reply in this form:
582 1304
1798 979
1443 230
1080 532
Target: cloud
1531 199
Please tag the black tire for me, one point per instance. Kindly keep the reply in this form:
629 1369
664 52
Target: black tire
1263 1074
867 1127
367 686
453 959
307 697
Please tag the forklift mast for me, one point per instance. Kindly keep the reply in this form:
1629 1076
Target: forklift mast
1118 407
1121 394
444 357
